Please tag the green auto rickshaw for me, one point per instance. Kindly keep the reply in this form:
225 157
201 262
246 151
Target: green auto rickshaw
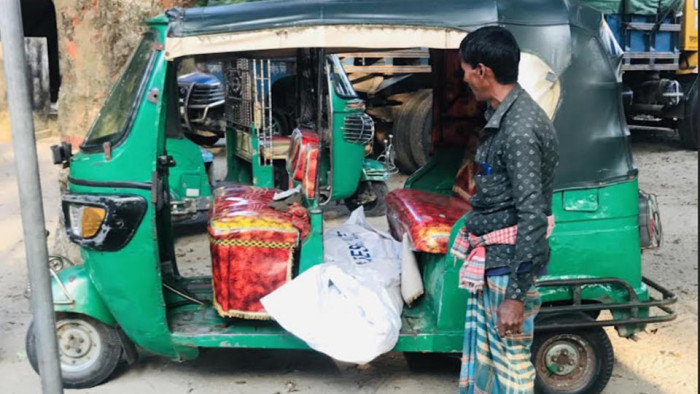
130 293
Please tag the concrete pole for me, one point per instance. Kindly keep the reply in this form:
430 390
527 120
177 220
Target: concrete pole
27 165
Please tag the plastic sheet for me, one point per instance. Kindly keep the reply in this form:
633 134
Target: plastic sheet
350 306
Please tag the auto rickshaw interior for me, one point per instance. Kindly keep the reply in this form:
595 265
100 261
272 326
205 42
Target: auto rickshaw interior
288 92
242 215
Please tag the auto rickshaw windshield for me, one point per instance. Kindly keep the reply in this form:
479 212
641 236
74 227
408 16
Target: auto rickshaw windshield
117 114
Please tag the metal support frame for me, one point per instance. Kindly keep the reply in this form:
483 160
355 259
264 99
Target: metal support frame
262 88
33 225
632 305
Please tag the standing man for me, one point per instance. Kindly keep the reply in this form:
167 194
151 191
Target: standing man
504 243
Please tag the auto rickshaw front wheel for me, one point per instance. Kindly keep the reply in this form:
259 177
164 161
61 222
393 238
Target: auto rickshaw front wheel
89 351
572 361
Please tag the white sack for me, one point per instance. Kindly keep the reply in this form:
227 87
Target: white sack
350 306
411 280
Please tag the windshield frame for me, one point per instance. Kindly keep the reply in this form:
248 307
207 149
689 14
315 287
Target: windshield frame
115 139
342 80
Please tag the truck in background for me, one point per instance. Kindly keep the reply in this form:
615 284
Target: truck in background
659 41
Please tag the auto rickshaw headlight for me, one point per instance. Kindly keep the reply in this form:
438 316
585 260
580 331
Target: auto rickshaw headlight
86 220
103 222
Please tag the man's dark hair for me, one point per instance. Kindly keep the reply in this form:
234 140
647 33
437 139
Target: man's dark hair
494 47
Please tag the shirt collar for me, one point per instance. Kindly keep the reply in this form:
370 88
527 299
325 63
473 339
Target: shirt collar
493 117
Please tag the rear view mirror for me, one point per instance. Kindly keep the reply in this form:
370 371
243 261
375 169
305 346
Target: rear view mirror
62 153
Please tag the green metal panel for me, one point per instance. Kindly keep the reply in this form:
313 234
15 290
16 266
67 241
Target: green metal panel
600 243
346 158
372 170
238 170
74 292
444 297
188 178
312 247
438 174
585 200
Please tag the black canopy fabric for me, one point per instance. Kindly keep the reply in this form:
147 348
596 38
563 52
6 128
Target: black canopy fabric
454 14
572 40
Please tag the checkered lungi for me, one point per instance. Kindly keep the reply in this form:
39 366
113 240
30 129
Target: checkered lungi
491 364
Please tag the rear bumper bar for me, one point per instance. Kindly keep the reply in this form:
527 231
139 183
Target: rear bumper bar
632 306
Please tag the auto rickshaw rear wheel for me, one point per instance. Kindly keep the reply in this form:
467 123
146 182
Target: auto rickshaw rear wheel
572 361
370 195
89 351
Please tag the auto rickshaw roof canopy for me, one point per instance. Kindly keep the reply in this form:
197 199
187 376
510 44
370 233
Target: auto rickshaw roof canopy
450 14
346 24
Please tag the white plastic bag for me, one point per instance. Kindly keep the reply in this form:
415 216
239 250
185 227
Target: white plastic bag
411 280
350 306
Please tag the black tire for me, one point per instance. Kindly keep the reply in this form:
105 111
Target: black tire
402 133
580 360
422 130
688 127
95 371
208 140
374 208
280 125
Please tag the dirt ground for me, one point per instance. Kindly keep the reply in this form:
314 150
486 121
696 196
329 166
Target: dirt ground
664 359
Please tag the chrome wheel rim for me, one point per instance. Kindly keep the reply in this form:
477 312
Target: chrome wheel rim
79 344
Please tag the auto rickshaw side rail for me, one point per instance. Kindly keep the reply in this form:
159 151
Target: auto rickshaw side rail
632 305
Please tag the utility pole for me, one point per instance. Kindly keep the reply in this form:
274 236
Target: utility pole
27 164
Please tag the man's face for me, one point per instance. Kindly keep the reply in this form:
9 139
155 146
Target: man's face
474 77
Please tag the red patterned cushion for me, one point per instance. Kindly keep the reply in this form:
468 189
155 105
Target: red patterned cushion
237 198
252 254
310 181
252 247
426 217
302 141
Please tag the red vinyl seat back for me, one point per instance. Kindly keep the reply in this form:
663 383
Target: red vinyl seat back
426 217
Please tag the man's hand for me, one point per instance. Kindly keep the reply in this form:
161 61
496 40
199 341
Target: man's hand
509 318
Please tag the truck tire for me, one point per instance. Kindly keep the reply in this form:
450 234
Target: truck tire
572 361
280 126
402 133
422 130
688 127
89 351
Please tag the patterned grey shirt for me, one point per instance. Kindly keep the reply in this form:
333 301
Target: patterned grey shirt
520 146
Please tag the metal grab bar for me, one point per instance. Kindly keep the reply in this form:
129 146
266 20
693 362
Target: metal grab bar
633 304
